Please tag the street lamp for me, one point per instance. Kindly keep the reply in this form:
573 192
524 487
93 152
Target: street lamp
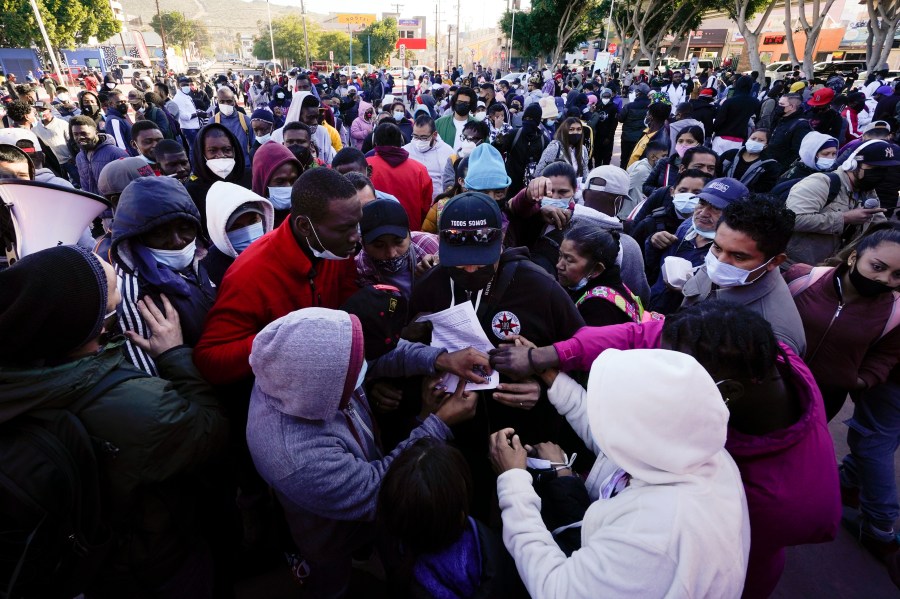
271 37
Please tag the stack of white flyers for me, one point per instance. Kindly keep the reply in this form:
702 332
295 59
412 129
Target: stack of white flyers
457 328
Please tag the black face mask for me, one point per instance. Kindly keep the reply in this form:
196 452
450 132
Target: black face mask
778 112
89 110
872 179
575 138
529 127
301 153
865 286
462 108
472 281
122 107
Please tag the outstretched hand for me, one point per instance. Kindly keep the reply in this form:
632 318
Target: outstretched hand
165 329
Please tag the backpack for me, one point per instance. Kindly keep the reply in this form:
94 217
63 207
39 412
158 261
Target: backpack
51 518
801 284
631 306
783 189
531 165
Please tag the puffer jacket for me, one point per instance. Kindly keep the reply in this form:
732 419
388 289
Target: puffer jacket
153 430
360 128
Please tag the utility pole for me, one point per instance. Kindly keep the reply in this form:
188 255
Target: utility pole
512 32
271 37
449 29
458 2
437 36
305 36
397 7
162 35
40 22
350 33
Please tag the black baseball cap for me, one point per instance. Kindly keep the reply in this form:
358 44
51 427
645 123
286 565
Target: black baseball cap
470 230
383 217
879 153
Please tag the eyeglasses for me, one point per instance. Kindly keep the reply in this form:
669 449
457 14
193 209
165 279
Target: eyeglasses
422 137
473 138
484 236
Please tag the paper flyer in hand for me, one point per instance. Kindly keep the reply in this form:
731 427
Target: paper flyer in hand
457 328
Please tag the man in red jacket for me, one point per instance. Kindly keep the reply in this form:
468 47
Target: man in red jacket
393 172
305 262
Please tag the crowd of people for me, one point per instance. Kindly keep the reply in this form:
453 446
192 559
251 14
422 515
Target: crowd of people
244 336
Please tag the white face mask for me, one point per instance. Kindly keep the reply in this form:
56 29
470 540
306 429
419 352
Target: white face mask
63 97
111 86
226 109
705 234
685 202
362 374
422 145
221 167
280 197
263 138
823 164
398 115
327 254
185 89
176 259
480 116
754 147
465 148
727 275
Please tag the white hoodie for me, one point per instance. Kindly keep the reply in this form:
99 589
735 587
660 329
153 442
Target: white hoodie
221 201
680 528
321 136
435 159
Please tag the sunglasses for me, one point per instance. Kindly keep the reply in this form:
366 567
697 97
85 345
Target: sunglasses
484 236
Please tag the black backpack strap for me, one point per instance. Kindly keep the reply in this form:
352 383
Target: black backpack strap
111 379
834 186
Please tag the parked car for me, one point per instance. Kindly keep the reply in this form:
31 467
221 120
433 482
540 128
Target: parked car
522 76
823 70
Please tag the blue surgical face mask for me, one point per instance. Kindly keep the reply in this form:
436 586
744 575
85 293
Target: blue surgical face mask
242 238
280 197
562 204
580 285
362 374
823 164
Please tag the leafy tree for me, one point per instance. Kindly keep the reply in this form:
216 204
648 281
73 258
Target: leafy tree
742 13
383 36
553 27
69 23
333 41
290 44
181 31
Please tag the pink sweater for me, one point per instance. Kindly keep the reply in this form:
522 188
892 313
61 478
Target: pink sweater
789 475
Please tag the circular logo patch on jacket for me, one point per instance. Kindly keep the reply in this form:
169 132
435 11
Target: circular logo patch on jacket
506 324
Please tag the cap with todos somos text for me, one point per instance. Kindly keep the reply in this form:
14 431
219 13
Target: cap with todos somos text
470 230
721 192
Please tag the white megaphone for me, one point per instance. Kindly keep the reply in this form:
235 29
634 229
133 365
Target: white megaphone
35 216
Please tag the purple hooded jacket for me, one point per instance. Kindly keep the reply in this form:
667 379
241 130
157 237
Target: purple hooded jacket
91 162
789 475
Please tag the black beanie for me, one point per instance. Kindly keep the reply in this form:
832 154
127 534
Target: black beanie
51 303
533 111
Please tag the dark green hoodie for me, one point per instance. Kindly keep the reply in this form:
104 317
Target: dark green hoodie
151 430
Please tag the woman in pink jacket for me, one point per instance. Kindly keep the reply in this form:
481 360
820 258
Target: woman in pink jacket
362 125
777 433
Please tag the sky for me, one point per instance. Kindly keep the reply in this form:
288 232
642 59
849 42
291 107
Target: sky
474 14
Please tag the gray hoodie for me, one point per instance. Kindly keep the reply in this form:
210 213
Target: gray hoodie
309 430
